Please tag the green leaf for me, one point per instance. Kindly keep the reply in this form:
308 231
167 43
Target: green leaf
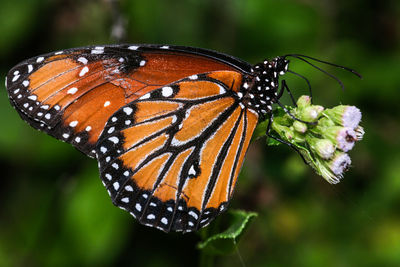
225 242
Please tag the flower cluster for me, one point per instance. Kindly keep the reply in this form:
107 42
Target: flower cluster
326 137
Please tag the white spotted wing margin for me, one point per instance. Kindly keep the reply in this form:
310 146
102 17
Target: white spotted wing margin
140 169
42 88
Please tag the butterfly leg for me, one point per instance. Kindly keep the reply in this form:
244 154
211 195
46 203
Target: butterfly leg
271 118
284 86
292 116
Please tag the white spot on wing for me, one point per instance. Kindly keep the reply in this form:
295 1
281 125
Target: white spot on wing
133 47
221 90
30 68
151 217
15 78
107 103
127 110
138 207
174 119
111 130
72 90
83 60
129 188
192 171
98 50
167 91
83 71
73 123
146 96
32 97
116 185
114 139
39 59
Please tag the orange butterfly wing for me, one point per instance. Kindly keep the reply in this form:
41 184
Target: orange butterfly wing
171 158
71 94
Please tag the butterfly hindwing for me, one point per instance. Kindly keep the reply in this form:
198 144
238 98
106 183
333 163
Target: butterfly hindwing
171 158
71 94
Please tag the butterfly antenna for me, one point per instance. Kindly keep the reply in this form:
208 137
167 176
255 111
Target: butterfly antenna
298 56
304 78
329 63
318 68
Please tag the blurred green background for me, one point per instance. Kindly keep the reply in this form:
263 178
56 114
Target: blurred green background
55 211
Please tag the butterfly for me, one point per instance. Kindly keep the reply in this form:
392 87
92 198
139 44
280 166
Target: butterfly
168 125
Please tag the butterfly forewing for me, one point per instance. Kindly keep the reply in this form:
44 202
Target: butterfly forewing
171 157
71 94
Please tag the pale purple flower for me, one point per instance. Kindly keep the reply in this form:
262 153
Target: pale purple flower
346 138
347 116
339 164
351 117
342 137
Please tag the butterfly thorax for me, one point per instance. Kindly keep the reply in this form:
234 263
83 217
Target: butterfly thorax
260 89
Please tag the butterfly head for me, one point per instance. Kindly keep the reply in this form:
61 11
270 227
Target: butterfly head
281 65
265 83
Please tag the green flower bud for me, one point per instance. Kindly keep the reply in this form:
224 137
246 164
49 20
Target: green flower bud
323 147
299 127
304 101
325 123
310 113
347 116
